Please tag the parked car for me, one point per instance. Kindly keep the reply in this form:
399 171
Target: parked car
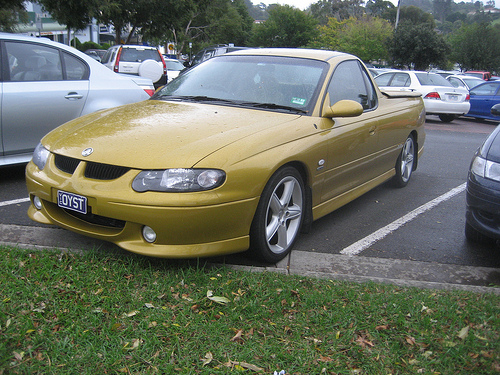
209 52
479 74
174 67
483 190
96 54
465 81
482 98
242 151
440 97
144 61
44 84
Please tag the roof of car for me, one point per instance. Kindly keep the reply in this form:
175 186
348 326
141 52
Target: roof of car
292 52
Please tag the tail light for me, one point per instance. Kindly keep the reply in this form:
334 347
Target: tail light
467 98
433 95
150 92
164 64
117 61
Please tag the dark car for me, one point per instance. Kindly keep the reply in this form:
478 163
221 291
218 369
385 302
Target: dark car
482 98
209 52
483 191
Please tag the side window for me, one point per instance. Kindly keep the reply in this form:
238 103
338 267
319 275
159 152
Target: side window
105 58
455 82
384 79
33 62
75 68
350 81
401 80
485 90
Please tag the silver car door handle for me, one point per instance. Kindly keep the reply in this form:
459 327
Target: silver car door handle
73 96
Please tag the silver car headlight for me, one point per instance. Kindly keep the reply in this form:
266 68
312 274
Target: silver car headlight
178 180
40 156
486 168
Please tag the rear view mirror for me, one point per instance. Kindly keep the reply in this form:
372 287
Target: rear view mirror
343 108
495 110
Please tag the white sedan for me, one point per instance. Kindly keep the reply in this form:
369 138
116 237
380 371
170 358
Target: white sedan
465 81
45 84
441 98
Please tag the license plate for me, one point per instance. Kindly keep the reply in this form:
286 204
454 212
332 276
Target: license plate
72 201
453 98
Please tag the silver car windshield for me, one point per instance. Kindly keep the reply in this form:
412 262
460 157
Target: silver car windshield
268 82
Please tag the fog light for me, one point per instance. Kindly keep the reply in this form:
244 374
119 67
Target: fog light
37 202
149 234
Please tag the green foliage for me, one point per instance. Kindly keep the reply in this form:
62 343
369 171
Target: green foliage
366 38
76 14
90 45
285 27
12 12
418 46
63 313
473 47
322 10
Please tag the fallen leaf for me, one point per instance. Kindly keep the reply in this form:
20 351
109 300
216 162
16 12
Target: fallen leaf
149 305
18 356
130 314
237 337
248 366
221 300
208 358
410 340
463 333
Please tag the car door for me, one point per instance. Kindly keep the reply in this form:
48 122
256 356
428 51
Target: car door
353 157
483 97
43 87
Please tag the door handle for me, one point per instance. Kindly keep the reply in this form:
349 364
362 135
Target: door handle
73 96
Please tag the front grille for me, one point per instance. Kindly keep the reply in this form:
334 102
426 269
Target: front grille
97 220
66 164
100 171
97 171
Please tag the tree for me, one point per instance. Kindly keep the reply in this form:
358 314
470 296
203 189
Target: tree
473 47
366 37
75 14
418 46
378 7
11 12
339 9
285 27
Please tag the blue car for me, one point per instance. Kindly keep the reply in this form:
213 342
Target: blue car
482 98
483 190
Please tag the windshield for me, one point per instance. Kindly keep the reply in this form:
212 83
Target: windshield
174 64
432 79
267 82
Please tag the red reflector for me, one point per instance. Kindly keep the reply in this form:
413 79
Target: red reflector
467 98
150 92
433 95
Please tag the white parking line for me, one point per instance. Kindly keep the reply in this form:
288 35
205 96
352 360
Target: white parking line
366 242
15 201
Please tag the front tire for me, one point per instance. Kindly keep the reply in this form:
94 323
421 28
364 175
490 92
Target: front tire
279 216
405 163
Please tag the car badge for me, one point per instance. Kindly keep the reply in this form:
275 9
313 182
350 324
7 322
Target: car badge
87 151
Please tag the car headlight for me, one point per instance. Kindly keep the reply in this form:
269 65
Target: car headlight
178 180
485 168
40 156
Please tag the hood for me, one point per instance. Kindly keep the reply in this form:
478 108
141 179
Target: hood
157 134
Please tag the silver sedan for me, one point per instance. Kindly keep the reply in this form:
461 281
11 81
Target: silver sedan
45 84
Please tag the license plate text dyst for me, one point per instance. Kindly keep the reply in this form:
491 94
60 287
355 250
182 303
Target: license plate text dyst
72 201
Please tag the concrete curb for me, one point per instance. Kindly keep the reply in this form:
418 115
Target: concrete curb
405 273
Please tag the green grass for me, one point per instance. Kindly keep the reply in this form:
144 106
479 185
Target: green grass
96 313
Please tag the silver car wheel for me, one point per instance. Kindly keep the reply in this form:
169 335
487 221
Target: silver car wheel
284 212
407 157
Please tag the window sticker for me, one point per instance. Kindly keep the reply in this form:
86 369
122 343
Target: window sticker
298 101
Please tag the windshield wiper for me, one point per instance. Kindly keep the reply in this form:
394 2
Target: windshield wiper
276 106
195 98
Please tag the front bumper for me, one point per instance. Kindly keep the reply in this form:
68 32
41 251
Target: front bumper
483 206
118 215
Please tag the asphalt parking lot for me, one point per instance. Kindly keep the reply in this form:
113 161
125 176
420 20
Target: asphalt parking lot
414 233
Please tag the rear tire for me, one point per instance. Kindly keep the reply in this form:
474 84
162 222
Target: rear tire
405 163
447 118
279 216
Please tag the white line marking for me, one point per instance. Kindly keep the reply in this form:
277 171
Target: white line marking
366 242
15 201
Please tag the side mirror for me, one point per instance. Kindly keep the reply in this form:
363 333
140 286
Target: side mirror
495 110
343 108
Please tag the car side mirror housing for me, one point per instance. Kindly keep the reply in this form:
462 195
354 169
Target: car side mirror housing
343 108
495 110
